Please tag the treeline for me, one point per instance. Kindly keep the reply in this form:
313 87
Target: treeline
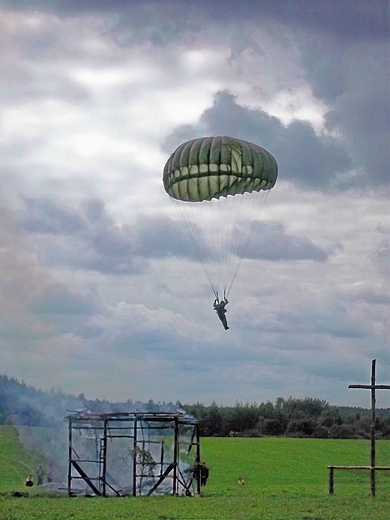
308 417
21 404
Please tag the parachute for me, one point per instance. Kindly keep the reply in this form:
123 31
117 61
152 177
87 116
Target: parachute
218 185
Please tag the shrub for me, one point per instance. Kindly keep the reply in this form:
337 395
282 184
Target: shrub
301 428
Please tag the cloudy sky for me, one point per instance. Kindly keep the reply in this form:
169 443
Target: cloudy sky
101 292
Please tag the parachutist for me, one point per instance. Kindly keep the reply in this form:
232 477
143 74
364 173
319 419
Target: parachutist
219 308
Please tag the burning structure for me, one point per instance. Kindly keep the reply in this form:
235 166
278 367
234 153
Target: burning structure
137 453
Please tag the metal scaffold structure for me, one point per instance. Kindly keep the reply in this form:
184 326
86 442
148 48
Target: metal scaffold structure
138 453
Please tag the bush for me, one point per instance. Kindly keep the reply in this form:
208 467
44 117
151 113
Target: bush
273 427
321 432
301 428
343 431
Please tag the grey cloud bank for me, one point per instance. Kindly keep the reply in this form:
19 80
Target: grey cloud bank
353 19
323 161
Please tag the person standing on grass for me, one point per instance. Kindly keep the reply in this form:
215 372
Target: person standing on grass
39 473
204 474
50 473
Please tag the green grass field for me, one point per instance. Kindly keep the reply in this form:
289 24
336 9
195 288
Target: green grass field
286 479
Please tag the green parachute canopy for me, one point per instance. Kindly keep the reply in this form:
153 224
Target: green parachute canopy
219 185
213 167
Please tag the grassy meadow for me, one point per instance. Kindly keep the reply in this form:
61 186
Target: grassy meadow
285 479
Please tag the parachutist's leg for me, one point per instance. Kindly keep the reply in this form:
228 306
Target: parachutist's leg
224 323
222 317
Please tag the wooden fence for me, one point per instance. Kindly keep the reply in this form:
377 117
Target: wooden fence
371 469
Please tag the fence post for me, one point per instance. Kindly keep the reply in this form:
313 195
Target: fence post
331 479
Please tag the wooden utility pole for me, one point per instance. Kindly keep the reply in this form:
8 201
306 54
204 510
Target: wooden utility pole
373 386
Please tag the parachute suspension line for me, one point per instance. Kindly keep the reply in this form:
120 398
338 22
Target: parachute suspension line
216 221
230 209
242 247
210 233
213 223
204 176
192 236
233 209
205 228
220 231
196 240
199 251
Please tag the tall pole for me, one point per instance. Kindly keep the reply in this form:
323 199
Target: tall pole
197 459
372 429
135 458
373 386
103 457
70 449
175 457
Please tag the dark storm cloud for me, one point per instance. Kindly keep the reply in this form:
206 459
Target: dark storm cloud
83 237
271 242
353 77
86 237
381 255
46 216
58 299
350 18
324 63
34 301
363 116
160 237
337 372
304 158
334 322
334 65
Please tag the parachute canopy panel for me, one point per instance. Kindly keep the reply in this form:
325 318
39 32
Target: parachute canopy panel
212 167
